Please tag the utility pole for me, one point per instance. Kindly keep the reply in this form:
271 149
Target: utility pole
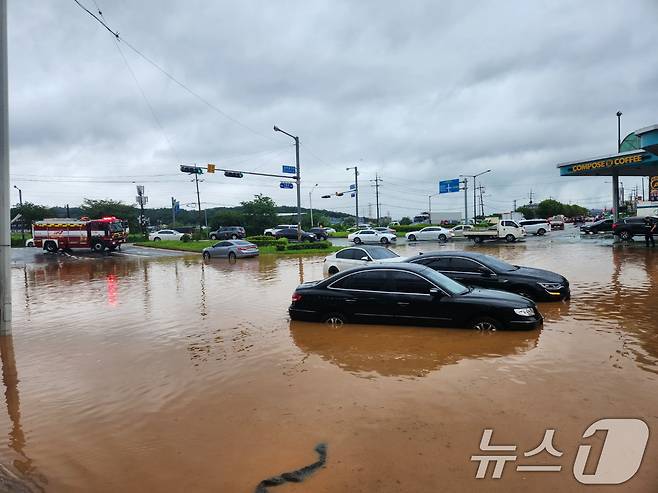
20 201
377 185
5 203
173 211
514 205
465 183
141 199
481 189
297 179
615 176
530 196
356 192
68 212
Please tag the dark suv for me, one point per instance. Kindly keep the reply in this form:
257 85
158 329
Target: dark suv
320 233
228 233
628 227
291 234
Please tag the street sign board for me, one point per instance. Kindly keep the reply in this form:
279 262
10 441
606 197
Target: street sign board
352 187
285 184
191 169
289 169
448 186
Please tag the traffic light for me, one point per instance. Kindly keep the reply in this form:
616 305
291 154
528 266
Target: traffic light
339 194
211 168
233 174
191 169
326 196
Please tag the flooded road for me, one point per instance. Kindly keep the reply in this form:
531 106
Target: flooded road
169 374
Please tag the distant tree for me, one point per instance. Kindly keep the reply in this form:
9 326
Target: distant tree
405 221
528 212
549 208
31 212
226 217
575 210
95 209
259 214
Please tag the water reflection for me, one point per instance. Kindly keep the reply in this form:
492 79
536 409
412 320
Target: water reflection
404 351
29 478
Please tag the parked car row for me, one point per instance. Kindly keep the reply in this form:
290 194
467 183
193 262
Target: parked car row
372 284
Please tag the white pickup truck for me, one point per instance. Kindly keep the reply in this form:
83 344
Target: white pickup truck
507 230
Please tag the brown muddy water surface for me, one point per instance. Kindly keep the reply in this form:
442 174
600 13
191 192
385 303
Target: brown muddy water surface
133 374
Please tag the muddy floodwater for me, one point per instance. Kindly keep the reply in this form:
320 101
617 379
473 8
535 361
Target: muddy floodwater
134 374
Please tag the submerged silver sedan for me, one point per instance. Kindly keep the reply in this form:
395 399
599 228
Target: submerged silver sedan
232 249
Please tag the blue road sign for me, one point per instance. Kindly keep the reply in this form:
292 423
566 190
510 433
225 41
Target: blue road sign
289 169
353 195
352 187
285 184
448 186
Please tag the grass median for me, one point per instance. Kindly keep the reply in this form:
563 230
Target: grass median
198 246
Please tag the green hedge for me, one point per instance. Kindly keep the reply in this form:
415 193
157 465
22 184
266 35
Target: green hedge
266 240
315 245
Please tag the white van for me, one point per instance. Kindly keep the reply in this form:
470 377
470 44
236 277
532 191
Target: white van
537 227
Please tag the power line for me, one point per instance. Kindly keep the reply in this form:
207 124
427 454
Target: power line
171 77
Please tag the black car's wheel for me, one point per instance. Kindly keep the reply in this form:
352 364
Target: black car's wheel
156 239
234 237
206 255
51 247
357 241
232 256
335 319
478 239
384 241
213 236
412 238
443 238
541 231
510 238
268 233
98 247
333 270
485 324
626 235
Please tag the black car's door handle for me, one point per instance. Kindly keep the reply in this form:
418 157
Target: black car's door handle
403 303
350 300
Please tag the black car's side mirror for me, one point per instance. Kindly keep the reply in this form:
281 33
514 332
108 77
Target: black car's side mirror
436 293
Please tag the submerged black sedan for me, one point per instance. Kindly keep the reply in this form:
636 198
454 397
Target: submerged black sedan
485 271
409 294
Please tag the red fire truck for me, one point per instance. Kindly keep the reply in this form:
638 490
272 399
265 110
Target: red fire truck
60 234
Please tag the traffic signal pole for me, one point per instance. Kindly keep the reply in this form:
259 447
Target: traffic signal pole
5 233
198 200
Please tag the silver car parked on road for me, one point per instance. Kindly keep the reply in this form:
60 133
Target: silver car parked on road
232 249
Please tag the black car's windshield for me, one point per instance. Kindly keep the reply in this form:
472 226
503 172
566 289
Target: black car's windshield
382 253
498 265
448 285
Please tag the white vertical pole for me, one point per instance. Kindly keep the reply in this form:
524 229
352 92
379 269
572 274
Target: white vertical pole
5 233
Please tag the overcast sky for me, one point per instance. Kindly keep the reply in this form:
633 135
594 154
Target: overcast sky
414 91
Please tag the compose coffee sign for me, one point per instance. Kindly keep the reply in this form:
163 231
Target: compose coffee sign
605 163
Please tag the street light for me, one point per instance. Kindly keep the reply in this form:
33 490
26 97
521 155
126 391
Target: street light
20 201
356 191
310 202
299 200
475 190
429 202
